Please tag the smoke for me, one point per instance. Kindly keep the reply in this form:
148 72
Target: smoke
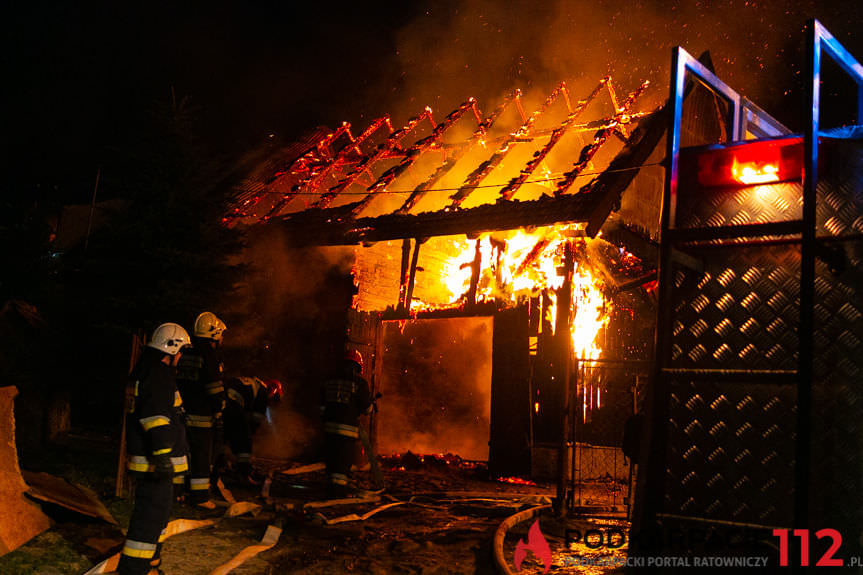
281 284
287 321
484 48
287 434
436 386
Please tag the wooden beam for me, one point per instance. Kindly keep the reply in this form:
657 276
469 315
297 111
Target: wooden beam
475 269
404 275
413 273
563 357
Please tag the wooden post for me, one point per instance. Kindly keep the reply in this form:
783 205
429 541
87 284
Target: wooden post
562 357
475 269
128 403
412 275
377 371
404 276
535 328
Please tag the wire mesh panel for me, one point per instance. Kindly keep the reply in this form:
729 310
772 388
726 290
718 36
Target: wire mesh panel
605 398
606 395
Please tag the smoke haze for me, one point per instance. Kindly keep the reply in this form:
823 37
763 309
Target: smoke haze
436 386
289 324
484 48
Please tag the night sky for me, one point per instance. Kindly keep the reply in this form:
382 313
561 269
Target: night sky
80 78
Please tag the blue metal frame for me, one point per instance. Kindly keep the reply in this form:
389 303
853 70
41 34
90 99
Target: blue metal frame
758 122
682 63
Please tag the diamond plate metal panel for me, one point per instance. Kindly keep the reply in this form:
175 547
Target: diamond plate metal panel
839 207
731 452
837 395
740 312
737 206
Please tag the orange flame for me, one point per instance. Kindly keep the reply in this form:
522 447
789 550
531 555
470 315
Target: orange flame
519 264
588 317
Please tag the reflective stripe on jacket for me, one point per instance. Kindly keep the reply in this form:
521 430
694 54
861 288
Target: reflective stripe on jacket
341 429
154 424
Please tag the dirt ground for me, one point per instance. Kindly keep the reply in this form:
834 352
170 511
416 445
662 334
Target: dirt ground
442 519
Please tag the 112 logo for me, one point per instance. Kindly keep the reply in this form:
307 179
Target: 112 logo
826 560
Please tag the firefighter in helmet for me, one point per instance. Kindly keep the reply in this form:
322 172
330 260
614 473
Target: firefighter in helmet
199 379
156 444
245 409
346 396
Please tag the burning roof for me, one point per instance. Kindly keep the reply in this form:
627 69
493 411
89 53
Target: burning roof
467 174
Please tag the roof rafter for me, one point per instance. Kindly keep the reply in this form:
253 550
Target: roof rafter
476 177
389 144
415 151
444 168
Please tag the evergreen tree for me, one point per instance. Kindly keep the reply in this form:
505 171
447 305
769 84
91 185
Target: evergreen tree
165 255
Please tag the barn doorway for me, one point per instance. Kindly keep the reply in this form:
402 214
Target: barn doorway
436 386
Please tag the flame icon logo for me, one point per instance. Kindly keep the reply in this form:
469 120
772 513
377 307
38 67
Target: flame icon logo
535 542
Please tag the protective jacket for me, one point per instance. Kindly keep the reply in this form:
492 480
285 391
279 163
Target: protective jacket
250 395
245 409
154 423
199 379
345 398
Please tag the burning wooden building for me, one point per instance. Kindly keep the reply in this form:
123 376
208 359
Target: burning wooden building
470 235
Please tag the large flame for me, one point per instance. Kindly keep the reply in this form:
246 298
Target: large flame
520 264
588 314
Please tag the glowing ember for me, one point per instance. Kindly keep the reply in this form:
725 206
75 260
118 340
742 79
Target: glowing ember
516 480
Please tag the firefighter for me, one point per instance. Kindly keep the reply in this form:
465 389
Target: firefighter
199 379
156 444
345 397
245 410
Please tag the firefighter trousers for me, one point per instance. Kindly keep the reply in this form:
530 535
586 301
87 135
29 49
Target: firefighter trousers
153 499
340 451
200 462
238 435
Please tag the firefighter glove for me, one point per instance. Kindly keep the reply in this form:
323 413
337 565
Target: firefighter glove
164 467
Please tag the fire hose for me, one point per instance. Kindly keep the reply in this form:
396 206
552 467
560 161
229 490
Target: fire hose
500 534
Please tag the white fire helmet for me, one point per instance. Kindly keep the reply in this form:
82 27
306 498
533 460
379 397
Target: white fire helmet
208 326
169 338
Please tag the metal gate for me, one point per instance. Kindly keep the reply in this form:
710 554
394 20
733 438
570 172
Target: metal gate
605 396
